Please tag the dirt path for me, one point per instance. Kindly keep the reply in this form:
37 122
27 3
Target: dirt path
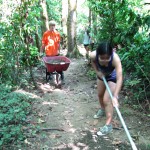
67 116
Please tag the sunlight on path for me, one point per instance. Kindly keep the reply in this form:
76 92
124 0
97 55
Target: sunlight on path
67 114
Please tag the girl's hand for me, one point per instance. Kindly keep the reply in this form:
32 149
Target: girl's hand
99 74
115 102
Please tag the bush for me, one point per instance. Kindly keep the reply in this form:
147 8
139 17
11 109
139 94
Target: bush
14 108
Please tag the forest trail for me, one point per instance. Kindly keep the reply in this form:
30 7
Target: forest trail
65 116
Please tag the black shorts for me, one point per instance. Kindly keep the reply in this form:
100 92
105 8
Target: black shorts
108 79
111 77
86 45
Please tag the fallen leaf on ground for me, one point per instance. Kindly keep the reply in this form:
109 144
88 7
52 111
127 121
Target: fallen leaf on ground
116 142
54 136
26 142
40 114
40 121
81 144
116 124
95 122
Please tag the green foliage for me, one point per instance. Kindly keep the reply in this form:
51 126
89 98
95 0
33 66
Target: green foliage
137 93
135 60
18 49
54 5
14 108
129 28
82 21
91 74
113 20
132 83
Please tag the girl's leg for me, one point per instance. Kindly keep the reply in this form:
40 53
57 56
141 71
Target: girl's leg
101 90
108 103
87 52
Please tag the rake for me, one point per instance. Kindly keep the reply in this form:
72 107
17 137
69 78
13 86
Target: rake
120 116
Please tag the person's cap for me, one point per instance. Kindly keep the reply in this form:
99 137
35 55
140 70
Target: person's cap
52 22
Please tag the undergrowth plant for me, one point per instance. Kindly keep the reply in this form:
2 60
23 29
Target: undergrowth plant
128 29
14 108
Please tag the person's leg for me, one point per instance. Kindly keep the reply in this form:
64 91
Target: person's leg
61 77
92 46
87 51
108 103
88 57
101 90
107 128
48 76
88 54
61 74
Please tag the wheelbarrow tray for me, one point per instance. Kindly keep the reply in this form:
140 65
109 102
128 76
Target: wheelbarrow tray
56 63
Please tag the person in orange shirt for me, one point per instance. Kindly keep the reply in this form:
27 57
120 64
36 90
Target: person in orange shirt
51 44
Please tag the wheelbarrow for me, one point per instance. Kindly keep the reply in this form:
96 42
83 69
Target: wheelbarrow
54 65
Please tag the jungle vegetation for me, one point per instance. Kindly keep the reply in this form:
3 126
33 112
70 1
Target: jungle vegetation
126 23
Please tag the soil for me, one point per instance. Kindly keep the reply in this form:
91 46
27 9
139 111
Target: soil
64 116
56 61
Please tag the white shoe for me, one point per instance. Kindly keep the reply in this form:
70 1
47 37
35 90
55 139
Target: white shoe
99 114
105 130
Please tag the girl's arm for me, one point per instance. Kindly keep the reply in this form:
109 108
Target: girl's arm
93 57
119 77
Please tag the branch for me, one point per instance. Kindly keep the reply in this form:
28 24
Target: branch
142 71
47 129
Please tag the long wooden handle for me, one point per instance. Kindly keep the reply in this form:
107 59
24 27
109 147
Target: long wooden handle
120 117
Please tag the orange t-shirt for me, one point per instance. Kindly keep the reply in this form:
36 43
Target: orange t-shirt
51 40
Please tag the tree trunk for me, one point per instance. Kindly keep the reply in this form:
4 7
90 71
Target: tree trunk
94 19
64 24
90 16
64 15
37 39
71 25
44 16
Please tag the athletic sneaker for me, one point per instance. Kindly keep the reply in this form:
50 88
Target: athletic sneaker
105 130
100 113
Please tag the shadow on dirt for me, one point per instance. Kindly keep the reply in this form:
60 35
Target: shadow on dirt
92 142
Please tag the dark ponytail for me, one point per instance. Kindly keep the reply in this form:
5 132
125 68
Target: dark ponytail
104 48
